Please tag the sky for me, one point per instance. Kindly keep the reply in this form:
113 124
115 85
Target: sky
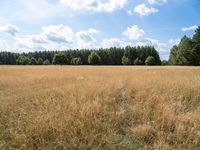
37 25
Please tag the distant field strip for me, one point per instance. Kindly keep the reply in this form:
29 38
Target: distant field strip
97 107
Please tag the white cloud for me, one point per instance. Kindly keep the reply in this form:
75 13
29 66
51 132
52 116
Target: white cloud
10 29
174 41
5 46
62 37
53 37
31 10
143 10
191 28
134 32
55 33
95 5
161 47
114 42
157 1
86 39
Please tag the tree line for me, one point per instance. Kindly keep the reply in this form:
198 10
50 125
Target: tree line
187 52
141 55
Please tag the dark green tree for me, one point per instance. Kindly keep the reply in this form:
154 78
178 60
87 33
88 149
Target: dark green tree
94 58
33 61
130 53
138 61
23 60
8 58
145 51
115 55
46 62
196 47
185 51
40 61
126 61
164 63
150 61
76 61
196 36
182 53
173 58
60 59
196 55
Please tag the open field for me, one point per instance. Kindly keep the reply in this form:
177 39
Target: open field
65 107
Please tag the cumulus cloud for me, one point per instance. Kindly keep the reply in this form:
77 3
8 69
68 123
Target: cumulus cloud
191 28
55 33
42 9
5 46
10 29
157 1
134 32
114 42
161 47
174 41
95 5
143 10
54 37
86 39
27 10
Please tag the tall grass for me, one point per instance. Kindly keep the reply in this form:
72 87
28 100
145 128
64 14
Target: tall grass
99 108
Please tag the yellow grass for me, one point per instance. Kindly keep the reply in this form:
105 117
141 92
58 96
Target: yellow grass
65 107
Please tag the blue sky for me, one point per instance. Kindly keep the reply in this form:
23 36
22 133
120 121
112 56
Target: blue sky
27 25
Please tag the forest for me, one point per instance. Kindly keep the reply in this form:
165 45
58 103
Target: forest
113 56
187 52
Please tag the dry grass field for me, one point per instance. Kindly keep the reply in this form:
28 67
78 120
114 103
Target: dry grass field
65 107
